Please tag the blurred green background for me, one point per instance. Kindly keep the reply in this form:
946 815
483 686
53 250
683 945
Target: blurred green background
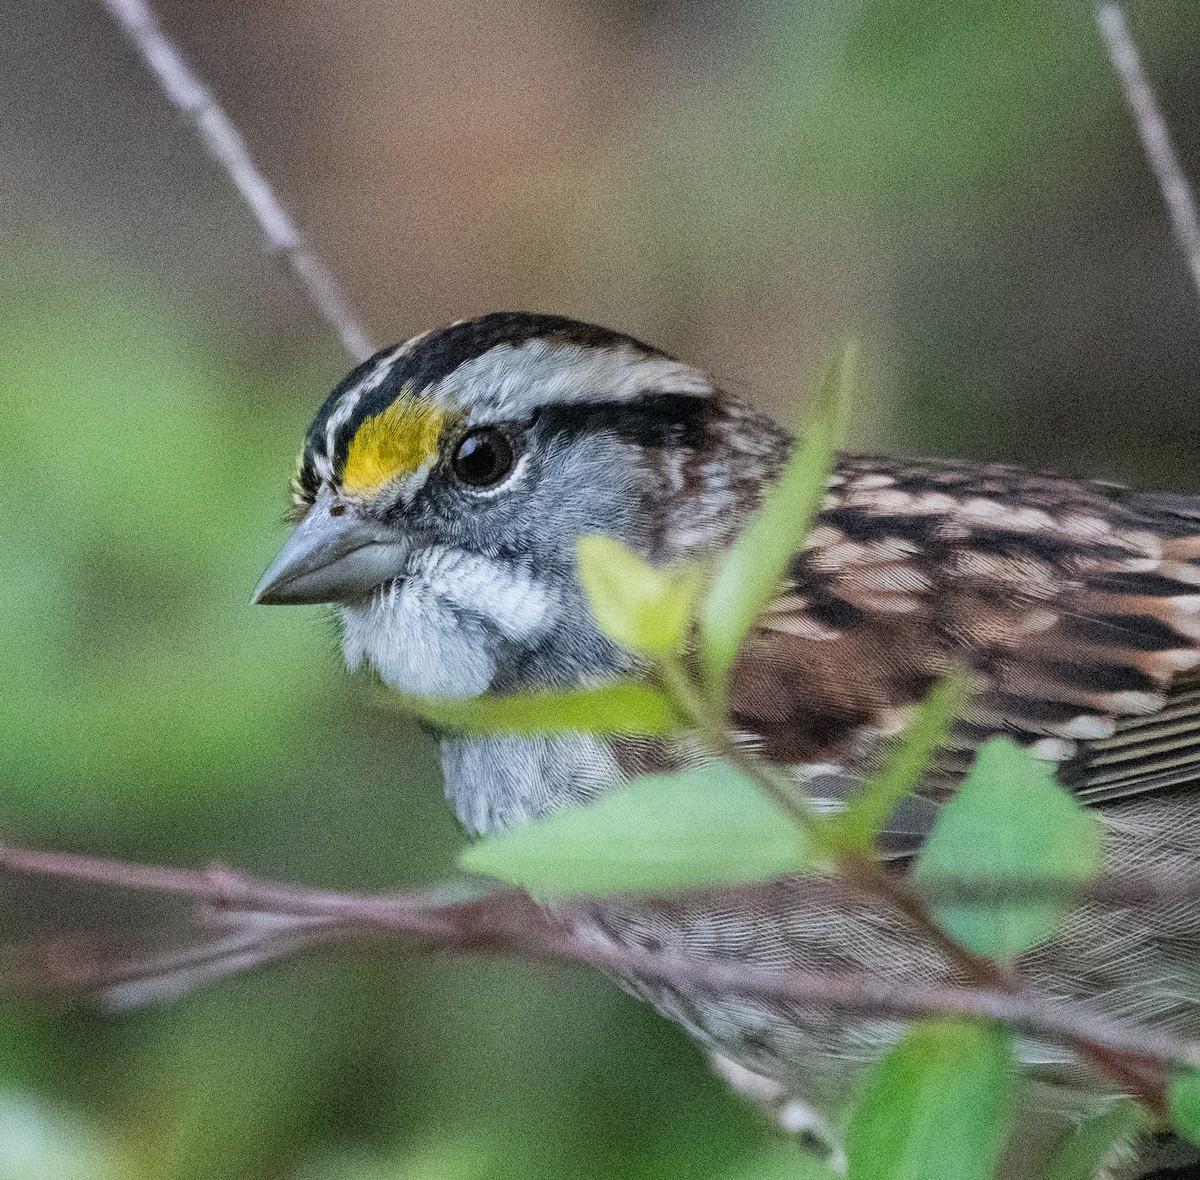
738 184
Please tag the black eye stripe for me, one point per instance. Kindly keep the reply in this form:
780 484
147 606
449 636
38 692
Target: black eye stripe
659 420
654 422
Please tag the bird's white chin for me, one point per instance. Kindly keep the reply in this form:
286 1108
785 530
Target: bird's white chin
434 631
417 642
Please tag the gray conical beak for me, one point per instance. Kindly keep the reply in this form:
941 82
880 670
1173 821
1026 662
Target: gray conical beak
332 557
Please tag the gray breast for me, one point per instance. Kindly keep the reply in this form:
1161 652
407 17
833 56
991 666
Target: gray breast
1133 963
497 783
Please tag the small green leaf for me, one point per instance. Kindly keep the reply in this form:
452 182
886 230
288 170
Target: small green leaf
1096 1142
1183 1103
868 811
1010 821
656 834
750 573
938 1105
641 607
621 707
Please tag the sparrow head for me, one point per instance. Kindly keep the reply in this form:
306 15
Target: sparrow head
444 483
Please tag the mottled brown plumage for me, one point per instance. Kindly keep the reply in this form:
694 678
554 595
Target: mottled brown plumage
1075 607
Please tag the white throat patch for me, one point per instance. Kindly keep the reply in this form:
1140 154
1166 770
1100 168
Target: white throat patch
433 632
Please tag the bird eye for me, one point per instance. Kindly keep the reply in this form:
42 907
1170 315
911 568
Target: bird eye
483 457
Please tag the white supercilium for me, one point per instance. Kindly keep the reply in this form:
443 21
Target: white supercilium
515 381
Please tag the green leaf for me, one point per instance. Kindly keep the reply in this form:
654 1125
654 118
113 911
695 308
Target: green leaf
656 834
938 1105
1094 1143
859 825
1012 822
622 707
750 573
1183 1103
642 608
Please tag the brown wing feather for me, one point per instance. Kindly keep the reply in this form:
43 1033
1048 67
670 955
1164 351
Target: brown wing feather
1077 612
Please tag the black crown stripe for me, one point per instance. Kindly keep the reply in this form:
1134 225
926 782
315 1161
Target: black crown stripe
438 355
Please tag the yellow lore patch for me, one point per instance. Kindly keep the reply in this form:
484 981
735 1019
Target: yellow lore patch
395 443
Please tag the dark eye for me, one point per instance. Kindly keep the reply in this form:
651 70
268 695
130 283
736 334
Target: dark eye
484 457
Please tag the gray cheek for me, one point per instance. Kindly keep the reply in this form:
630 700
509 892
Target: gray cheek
594 487
568 489
418 644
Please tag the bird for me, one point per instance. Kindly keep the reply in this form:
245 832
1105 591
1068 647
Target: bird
439 498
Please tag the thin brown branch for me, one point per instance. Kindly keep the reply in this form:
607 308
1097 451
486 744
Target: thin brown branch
1126 889
189 94
226 887
1152 128
216 884
264 919
118 977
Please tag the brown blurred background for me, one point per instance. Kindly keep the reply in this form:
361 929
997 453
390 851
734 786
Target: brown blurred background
739 184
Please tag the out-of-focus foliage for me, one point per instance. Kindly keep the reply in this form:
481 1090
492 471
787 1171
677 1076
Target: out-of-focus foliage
937 1105
41 1141
738 185
871 807
750 573
1184 1101
1098 1141
625 707
137 504
644 609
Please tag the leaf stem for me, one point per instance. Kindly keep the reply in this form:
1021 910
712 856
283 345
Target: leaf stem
785 794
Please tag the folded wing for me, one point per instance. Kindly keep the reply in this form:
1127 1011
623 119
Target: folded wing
1074 608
